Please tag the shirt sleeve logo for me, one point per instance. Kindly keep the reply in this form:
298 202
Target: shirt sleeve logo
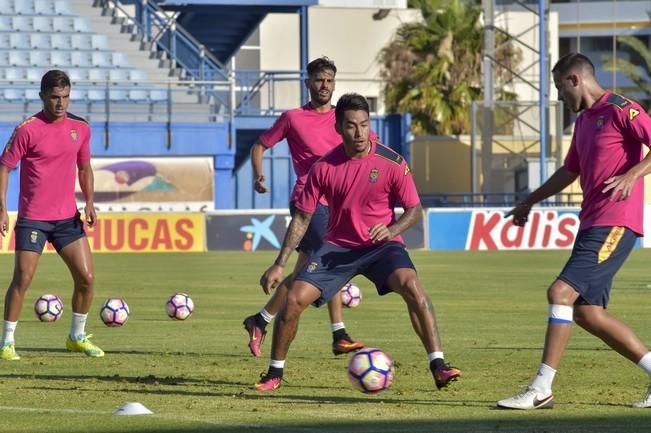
373 175
633 113
407 170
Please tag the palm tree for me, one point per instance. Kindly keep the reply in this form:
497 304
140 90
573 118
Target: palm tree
638 74
432 69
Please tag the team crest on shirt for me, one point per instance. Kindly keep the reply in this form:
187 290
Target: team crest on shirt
312 267
600 122
33 236
73 134
373 175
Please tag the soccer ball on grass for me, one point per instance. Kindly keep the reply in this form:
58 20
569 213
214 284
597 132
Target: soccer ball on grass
371 370
114 312
179 306
48 308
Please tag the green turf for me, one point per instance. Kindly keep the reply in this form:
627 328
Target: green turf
197 375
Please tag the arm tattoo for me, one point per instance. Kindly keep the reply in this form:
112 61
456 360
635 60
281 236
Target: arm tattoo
295 231
407 219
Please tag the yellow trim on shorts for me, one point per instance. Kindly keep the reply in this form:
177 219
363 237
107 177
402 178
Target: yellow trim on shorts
610 244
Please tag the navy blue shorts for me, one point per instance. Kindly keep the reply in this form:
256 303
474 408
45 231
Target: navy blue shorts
313 238
31 235
597 255
331 267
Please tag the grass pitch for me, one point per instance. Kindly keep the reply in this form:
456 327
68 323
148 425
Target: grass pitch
197 375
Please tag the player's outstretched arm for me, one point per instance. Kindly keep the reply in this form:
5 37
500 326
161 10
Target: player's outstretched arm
555 184
4 215
295 232
257 151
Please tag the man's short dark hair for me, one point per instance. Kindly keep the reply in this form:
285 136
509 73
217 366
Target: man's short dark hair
319 65
54 78
350 102
573 61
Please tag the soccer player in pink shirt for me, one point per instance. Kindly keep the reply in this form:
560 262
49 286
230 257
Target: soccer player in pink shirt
606 153
310 133
362 181
49 147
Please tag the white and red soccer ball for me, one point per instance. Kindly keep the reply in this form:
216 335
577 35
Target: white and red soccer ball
351 295
48 308
114 312
371 370
179 306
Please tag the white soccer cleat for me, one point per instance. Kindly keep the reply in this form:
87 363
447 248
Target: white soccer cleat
528 398
646 402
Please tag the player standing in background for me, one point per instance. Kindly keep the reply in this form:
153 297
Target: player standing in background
607 154
49 146
362 182
310 133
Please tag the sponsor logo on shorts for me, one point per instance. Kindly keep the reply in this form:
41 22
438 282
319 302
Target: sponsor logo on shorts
33 236
610 244
312 267
373 175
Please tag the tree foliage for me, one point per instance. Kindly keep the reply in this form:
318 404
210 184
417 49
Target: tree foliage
432 68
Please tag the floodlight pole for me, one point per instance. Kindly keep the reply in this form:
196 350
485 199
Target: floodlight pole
303 17
542 89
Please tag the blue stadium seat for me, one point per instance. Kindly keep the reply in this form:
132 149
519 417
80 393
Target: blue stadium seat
137 75
4 39
6 24
62 8
18 58
62 24
118 94
97 74
14 73
80 59
44 7
19 40
120 60
13 94
24 7
118 75
21 24
138 95
31 94
42 24
80 25
60 41
79 94
158 95
60 59
80 41
39 41
78 74
34 74
7 7
101 59
96 94
99 42
39 58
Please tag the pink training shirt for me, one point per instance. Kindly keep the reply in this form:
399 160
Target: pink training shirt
361 193
48 152
310 135
608 140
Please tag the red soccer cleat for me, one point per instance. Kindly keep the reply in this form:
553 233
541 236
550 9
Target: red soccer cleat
342 346
268 383
256 336
444 375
